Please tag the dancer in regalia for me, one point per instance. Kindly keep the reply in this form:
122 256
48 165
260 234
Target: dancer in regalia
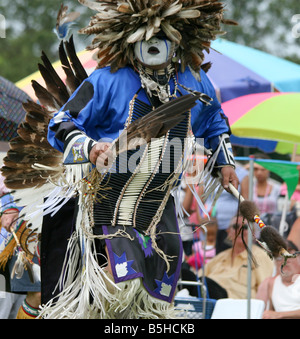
121 165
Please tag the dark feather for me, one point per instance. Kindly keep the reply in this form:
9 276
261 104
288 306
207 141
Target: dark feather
74 60
71 80
274 240
46 99
58 90
54 77
206 67
156 123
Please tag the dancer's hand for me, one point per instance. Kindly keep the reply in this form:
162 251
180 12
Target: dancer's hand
229 176
100 155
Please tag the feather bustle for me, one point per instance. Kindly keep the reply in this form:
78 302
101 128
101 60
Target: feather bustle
31 146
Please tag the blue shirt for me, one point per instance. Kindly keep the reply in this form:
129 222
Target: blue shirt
104 114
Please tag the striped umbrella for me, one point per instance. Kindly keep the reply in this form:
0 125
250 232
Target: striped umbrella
284 75
270 116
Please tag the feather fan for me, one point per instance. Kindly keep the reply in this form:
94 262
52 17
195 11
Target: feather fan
31 146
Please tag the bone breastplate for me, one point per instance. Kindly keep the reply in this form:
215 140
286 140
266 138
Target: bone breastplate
140 180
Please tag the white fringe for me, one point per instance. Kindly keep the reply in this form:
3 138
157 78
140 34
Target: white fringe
89 292
57 190
94 295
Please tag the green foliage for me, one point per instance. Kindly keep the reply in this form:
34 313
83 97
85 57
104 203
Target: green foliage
29 30
266 25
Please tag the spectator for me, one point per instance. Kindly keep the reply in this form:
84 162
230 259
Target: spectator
227 206
265 193
229 270
281 293
25 294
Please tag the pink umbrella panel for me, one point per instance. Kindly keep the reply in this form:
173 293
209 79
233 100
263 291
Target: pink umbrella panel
269 116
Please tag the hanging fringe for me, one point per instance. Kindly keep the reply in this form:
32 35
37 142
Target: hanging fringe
88 292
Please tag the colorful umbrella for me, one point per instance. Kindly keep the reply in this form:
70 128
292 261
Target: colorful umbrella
232 79
283 74
270 116
11 109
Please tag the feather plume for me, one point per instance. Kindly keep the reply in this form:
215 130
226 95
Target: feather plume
64 21
271 240
76 65
192 25
274 241
156 123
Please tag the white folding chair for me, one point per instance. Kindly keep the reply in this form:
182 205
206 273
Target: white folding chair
238 309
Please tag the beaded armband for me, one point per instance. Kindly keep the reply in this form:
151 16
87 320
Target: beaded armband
77 148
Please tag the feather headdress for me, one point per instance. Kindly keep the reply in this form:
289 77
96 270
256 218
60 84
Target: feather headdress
191 25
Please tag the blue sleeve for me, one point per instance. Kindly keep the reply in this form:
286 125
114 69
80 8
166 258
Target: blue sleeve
72 115
208 121
98 108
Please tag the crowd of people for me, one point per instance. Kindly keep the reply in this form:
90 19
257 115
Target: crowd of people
226 254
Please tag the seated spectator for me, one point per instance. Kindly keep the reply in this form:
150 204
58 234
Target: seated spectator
229 270
281 293
227 207
200 251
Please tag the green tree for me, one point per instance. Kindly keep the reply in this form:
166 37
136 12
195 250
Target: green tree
29 30
266 25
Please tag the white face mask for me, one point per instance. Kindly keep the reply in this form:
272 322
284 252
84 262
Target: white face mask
153 52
